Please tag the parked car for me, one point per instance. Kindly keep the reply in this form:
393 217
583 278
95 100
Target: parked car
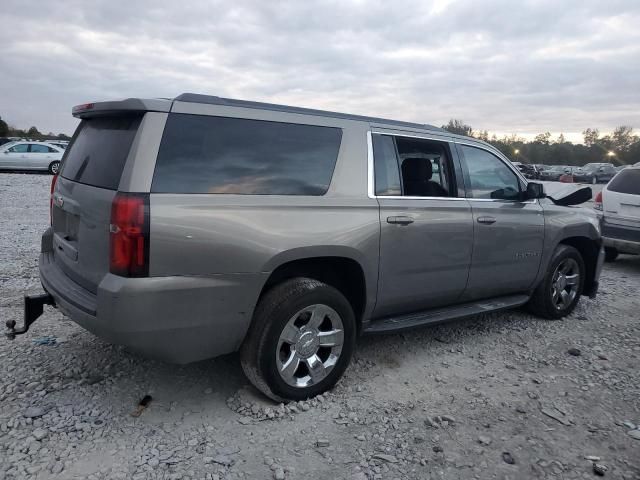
24 155
554 172
600 172
63 144
203 225
619 202
4 140
580 175
529 171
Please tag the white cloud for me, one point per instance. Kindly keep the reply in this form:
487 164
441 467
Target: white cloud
522 67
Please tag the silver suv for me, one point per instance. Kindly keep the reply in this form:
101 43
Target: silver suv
199 226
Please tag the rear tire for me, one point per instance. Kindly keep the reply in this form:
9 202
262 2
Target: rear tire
54 168
560 290
610 254
299 324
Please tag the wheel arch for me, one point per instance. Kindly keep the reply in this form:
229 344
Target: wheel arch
589 250
343 272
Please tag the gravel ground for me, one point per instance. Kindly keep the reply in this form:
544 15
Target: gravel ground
499 396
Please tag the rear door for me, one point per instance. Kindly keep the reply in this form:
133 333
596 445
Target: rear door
40 156
426 229
508 232
89 179
621 199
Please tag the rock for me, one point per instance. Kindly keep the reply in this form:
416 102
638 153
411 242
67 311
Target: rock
634 434
484 440
430 423
223 460
321 442
34 412
40 434
244 420
574 351
57 468
599 469
629 424
385 458
592 458
419 439
437 449
448 418
361 438
521 409
508 458
153 462
278 474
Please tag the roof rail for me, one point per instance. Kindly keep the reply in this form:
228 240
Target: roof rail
213 100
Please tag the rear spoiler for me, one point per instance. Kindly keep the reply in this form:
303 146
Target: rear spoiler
129 105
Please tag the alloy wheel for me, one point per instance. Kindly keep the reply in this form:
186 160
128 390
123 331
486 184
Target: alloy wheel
310 345
565 283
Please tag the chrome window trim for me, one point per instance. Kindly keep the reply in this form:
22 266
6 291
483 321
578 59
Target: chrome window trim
371 174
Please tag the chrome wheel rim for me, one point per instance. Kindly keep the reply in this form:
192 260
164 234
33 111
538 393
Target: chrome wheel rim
54 168
564 283
309 346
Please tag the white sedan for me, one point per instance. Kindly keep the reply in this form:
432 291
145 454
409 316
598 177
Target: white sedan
25 155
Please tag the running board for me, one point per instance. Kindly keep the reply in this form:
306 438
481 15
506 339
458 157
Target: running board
456 312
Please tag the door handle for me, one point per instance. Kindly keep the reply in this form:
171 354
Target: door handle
401 220
486 220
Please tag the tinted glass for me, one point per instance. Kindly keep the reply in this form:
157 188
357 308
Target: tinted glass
20 148
99 149
627 181
35 148
489 176
200 154
386 170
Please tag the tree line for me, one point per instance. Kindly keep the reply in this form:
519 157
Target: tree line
7 130
622 147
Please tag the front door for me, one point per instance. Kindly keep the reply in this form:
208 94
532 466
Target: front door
426 229
508 231
15 156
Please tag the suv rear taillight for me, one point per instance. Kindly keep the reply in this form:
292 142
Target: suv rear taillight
597 202
53 187
129 235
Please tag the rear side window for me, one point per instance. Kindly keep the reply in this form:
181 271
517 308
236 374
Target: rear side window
99 149
627 181
201 154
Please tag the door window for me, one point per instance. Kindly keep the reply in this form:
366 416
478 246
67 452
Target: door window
20 148
35 148
412 167
489 176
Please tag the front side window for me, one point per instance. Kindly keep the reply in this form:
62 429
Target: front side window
489 176
412 167
20 148
202 154
36 148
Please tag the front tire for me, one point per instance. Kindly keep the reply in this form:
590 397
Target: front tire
300 341
54 168
560 290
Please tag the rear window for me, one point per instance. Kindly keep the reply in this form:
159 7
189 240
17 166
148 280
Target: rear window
627 181
99 149
201 154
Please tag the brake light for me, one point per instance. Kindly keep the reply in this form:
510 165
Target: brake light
597 202
53 187
129 235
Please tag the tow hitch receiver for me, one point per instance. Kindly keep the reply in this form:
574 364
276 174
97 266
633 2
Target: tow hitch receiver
33 307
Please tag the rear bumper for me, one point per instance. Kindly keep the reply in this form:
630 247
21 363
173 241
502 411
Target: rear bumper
175 319
625 239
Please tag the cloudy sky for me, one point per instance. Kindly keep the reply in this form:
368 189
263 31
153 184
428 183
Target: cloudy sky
509 67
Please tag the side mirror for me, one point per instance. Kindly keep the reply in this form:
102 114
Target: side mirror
534 190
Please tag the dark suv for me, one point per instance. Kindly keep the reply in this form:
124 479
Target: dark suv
199 226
